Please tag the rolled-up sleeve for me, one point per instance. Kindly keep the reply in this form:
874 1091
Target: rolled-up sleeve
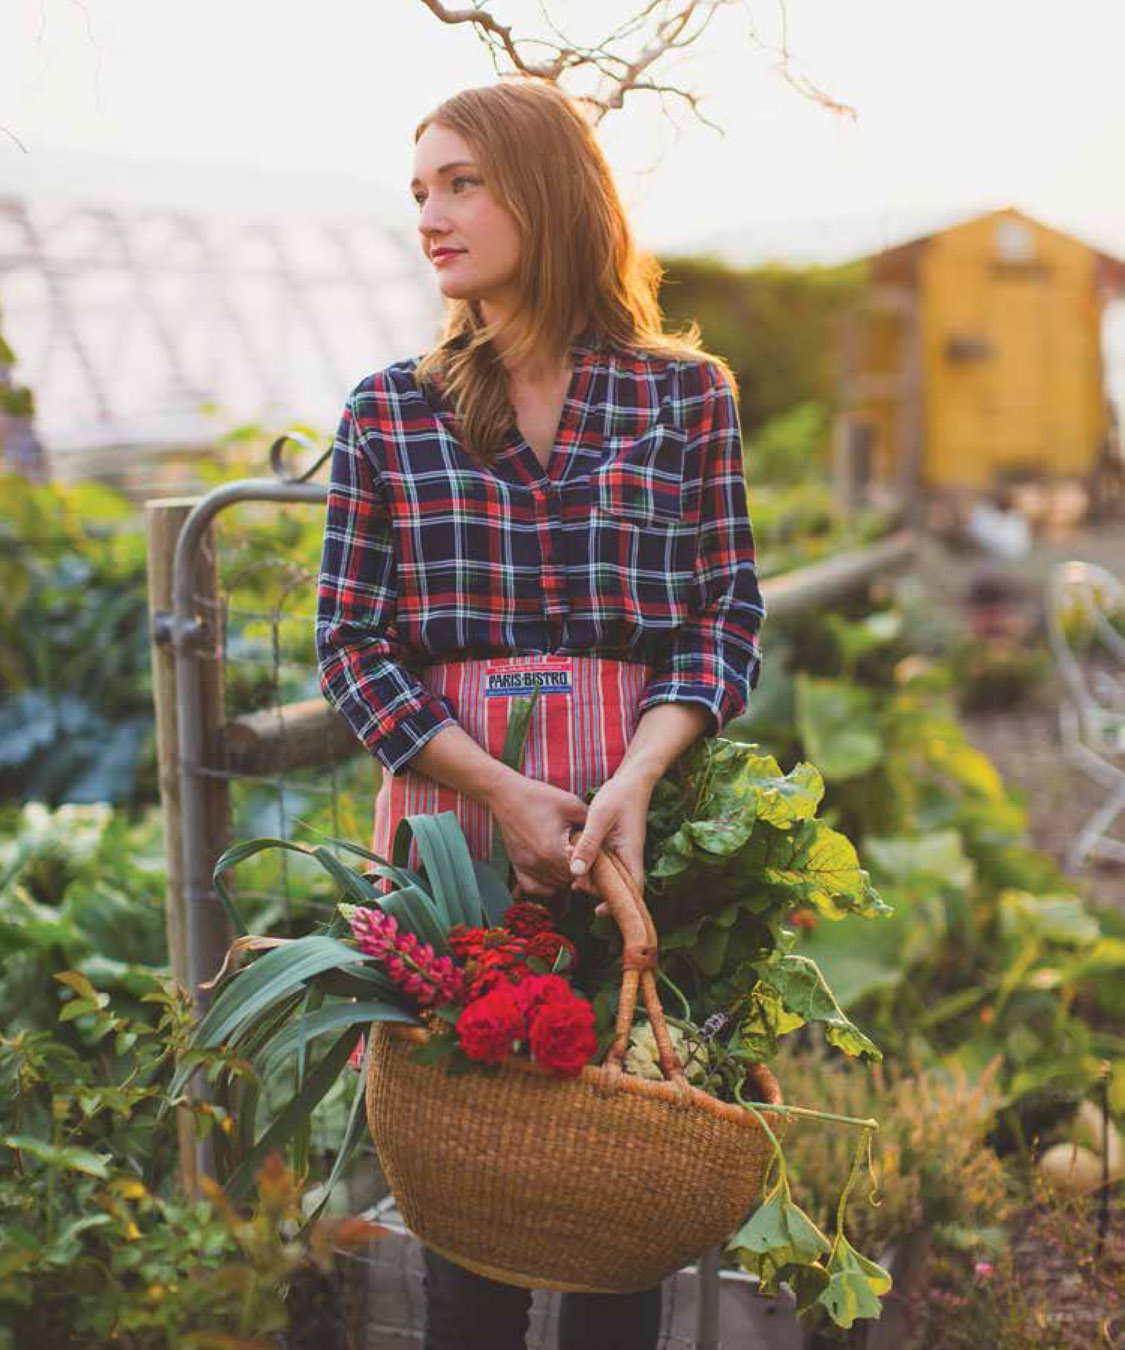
361 662
714 657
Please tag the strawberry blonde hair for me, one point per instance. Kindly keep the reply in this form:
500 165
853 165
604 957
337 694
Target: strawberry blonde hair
578 262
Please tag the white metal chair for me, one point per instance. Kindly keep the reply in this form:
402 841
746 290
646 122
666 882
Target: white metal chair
1084 603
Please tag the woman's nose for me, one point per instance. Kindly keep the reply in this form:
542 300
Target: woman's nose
431 220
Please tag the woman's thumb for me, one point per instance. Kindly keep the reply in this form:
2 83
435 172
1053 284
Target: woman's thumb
585 850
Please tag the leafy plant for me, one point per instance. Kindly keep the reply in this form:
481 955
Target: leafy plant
80 887
988 951
75 690
932 1164
95 1248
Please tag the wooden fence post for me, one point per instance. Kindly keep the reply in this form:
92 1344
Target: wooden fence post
164 520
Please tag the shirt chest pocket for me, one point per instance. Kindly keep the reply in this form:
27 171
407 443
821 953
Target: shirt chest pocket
643 482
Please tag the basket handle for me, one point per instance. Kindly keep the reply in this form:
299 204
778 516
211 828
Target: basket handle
621 896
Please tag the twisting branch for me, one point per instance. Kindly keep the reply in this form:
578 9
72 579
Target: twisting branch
622 62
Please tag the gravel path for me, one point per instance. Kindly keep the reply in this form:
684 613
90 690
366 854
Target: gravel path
1023 741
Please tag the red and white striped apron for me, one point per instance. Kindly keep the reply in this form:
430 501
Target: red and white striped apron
582 722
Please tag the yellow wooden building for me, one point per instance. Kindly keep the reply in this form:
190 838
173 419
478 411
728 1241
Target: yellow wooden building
975 358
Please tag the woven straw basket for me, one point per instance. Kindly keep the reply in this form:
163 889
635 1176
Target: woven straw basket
604 1183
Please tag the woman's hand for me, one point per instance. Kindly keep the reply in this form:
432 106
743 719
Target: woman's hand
616 818
535 821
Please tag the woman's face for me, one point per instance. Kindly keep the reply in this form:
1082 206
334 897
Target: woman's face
457 211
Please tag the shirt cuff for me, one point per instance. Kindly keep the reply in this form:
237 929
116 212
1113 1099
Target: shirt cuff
395 748
723 699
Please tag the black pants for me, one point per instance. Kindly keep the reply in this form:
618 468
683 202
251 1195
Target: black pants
465 1311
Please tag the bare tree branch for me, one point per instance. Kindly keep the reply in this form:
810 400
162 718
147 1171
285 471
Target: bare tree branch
622 62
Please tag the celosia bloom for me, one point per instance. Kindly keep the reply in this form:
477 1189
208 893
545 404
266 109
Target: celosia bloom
491 1026
526 918
411 964
465 942
535 990
546 946
561 1035
491 966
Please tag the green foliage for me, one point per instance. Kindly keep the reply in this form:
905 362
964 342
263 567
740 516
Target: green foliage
75 687
932 1165
780 1243
96 1249
82 888
16 400
802 992
987 951
791 448
778 1235
732 848
776 326
800 523
994 673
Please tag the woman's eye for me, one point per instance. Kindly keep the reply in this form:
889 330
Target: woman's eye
420 197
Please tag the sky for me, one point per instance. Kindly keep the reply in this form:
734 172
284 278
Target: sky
960 106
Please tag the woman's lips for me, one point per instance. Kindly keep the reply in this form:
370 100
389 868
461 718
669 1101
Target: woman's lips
446 256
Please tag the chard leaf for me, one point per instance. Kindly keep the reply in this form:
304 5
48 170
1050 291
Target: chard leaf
674 856
722 836
735 917
803 992
735 779
778 1234
766 1020
819 867
711 948
855 1285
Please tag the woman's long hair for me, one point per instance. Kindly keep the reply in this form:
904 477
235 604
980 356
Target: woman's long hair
578 263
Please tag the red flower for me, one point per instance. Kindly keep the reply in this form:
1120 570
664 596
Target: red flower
355 1059
510 953
489 1026
562 1035
546 946
488 981
533 991
464 942
492 965
525 918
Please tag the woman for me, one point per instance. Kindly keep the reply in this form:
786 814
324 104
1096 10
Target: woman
551 497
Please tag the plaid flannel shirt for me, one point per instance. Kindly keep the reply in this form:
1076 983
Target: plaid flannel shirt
634 542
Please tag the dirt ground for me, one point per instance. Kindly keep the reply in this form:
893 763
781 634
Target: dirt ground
1023 741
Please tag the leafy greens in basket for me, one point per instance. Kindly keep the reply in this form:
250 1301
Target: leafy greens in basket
734 850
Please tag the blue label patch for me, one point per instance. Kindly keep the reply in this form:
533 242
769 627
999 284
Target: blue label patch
511 683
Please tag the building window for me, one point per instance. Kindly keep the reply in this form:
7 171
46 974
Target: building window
1014 242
